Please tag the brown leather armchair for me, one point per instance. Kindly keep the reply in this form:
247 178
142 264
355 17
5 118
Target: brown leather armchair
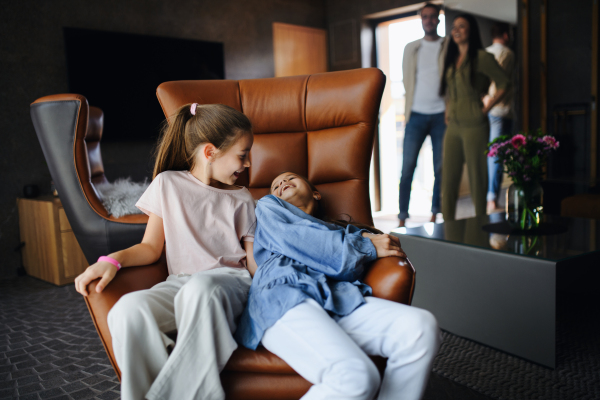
321 126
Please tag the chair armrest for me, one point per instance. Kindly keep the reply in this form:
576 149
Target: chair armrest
392 278
127 280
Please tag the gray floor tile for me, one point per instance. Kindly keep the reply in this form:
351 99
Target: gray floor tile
33 396
63 361
43 368
104 386
54 382
95 369
70 369
14 353
36 387
52 374
72 387
7 393
27 380
22 373
47 394
83 394
92 380
75 376
19 358
7 385
6 368
26 364
109 396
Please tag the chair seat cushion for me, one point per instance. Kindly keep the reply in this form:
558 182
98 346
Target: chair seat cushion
263 361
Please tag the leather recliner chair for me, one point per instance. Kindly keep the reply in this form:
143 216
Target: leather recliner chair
321 126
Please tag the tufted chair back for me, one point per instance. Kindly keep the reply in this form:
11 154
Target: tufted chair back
320 126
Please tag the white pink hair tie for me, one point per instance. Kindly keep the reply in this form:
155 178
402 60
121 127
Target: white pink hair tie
193 108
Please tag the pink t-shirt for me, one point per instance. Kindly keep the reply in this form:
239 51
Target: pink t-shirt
204 226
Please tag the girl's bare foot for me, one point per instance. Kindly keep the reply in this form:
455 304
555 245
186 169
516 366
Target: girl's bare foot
432 219
401 223
491 206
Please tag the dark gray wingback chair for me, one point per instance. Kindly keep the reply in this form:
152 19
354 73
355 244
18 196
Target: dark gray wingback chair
69 132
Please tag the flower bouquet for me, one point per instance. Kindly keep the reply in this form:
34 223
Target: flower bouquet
523 157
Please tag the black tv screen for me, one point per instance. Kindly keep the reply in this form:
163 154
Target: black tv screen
119 73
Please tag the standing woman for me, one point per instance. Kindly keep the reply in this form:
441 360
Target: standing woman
468 70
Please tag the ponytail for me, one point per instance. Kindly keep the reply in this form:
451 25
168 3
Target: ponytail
171 154
184 132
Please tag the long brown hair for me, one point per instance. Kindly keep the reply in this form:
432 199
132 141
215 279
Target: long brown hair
183 132
320 213
453 53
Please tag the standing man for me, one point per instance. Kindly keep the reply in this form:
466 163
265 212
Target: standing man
501 114
422 64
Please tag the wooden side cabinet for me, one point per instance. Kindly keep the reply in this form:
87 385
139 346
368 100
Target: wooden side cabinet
51 252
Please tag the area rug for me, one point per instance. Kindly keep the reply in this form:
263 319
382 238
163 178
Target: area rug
49 347
503 376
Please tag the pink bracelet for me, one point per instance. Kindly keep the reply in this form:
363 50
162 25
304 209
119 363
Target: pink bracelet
111 260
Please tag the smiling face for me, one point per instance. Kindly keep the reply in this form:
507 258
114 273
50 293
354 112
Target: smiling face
227 166
296 191
460 31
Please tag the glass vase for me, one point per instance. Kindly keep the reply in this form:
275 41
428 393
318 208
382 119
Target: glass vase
524 206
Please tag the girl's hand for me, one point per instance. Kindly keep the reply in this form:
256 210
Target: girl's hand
102 269
386 245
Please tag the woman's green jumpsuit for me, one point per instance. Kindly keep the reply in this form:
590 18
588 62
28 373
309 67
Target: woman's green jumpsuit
468 131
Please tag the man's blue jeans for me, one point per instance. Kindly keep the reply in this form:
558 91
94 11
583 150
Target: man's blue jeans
498 126
417 129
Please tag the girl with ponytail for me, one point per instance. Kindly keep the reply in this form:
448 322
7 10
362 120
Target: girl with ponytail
205 223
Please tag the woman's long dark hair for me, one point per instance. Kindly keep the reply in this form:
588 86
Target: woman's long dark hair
452 53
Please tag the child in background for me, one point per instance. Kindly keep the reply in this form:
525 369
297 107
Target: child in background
206 225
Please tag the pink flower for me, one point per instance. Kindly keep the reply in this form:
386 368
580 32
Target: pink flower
549 140
493 150
518 141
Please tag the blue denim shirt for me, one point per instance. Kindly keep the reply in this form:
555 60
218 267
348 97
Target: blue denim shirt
300 257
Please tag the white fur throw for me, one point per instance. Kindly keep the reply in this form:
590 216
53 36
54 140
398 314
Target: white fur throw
120 196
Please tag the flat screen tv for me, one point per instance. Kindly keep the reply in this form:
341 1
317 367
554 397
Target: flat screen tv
119 72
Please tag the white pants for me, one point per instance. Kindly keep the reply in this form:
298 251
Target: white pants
203 309
333 355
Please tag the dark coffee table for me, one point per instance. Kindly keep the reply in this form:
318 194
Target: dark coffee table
501 289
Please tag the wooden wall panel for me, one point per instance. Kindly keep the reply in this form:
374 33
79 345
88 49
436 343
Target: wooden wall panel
299 50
